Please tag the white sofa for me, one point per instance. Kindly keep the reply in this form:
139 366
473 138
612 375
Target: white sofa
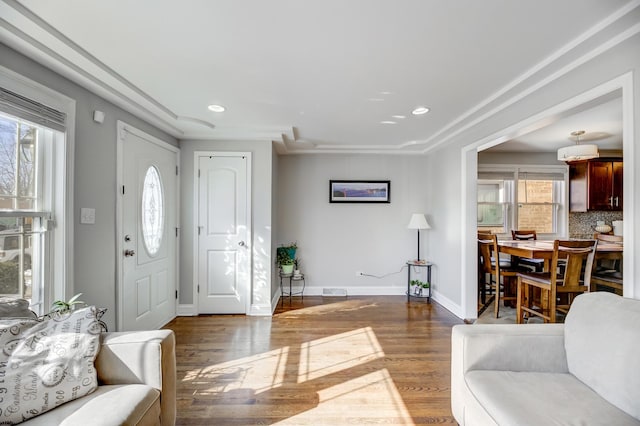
583 372
137 384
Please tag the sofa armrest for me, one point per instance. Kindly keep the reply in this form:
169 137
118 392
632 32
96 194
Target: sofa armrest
504 347
141 357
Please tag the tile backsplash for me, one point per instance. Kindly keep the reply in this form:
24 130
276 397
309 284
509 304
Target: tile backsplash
581 224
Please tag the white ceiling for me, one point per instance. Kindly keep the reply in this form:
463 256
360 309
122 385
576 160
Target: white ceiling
318 75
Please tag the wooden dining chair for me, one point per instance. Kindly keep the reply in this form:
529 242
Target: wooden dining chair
536 264
607 273
501 272
484 270
573 279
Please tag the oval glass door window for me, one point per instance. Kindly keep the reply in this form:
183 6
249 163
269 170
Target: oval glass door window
152 211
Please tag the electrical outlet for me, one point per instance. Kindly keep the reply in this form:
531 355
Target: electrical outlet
359 273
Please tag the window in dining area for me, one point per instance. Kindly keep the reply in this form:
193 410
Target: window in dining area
522 198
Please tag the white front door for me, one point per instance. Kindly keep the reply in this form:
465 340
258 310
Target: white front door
148 235
224 252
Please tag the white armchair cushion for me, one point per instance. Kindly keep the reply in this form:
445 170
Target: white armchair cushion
602 340
534 399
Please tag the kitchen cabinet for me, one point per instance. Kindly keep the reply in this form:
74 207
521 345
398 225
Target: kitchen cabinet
595 185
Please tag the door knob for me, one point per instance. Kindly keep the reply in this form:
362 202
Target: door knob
129 253
242 244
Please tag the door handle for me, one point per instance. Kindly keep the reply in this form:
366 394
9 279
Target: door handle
242 244
129 253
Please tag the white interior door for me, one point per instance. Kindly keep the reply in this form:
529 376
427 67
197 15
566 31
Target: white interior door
148 237
224 253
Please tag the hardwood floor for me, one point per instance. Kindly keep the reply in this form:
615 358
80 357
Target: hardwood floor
321 361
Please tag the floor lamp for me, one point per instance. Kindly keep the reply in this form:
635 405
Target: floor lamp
418 221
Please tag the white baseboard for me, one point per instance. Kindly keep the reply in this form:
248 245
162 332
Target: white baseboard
260 310
274 300
186 311
446 303
357 291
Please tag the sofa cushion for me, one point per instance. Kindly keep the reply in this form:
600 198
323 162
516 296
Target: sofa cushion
602 341
10 307
108 405
45 364
525 398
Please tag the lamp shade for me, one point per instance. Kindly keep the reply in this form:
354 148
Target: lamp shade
578 152
418 221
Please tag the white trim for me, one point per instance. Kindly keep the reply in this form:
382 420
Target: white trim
275 300
121 133
629 213
249 307
469 164
186 310
62 253
448 304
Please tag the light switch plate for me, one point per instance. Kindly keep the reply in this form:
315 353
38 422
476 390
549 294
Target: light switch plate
87 216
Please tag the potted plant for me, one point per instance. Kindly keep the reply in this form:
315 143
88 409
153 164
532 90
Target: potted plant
418 286
285 257
287 266
62 307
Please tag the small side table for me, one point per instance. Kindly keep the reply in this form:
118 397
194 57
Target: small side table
292 278
412 264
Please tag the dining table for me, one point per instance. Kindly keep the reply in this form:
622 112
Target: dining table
543 249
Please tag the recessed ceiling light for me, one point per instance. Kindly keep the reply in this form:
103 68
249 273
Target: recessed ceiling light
216 108
420 110
387 122
399 116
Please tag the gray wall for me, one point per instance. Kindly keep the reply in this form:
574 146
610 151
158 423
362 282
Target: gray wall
261 182
446 239
336 240
94 181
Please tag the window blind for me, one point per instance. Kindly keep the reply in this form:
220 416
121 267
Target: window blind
495 175
21 107
541 176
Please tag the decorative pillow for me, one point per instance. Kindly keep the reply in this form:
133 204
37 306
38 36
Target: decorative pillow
45 364
10 307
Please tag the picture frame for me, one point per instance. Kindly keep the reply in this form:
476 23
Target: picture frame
359 191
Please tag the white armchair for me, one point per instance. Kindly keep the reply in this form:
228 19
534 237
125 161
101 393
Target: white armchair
585 371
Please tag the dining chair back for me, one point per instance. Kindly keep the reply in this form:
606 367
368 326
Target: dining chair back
559 283
607 273
522 235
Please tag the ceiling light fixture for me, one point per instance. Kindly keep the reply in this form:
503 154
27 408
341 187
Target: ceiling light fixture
216 108
387 122
578 152
420 110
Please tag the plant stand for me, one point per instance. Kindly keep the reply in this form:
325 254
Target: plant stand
291 278
421 294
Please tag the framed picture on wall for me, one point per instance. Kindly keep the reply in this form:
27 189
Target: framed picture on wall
359 191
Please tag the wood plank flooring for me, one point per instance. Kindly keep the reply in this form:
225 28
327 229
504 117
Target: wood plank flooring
318 361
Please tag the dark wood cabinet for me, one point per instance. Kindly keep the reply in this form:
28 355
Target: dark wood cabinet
596 185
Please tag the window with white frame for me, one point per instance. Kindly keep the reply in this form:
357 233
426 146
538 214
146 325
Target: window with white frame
33 161
525 198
